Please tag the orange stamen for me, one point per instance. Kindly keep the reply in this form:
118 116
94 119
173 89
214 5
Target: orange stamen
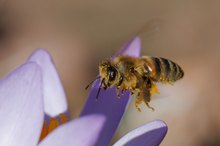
44 131
63 118
53 123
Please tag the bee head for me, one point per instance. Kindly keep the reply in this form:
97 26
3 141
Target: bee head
108 73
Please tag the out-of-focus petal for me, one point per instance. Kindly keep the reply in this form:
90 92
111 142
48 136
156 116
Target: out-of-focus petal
131 48
108 104
21 106
150 134
54 95
83 131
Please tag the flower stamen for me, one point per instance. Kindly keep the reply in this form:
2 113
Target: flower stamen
52 123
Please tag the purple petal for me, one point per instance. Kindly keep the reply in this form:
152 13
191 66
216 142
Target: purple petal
21 107
83 131
54 95
131 48
108 104
150 134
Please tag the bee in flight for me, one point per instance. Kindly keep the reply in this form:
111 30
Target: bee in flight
138 75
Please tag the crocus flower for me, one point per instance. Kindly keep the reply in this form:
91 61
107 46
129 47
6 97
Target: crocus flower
33 93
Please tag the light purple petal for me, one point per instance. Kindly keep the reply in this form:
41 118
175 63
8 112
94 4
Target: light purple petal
108 104
150 134
54 95
21 107
83 131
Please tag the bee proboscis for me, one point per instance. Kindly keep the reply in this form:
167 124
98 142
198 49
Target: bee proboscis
138 75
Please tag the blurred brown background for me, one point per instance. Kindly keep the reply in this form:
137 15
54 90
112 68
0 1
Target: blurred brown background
79 34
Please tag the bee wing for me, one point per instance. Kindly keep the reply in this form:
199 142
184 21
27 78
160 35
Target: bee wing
142 70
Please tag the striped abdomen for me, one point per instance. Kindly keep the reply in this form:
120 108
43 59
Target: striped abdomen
163 70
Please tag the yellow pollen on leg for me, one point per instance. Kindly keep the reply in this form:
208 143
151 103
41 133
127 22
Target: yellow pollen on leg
154 89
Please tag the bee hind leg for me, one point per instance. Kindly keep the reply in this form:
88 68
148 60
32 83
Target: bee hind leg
147 98
147 104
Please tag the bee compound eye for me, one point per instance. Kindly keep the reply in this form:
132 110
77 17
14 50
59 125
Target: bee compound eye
112 73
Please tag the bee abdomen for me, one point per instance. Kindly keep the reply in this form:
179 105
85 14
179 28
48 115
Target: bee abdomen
165 70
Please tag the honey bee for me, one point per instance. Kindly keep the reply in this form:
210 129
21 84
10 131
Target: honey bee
138 75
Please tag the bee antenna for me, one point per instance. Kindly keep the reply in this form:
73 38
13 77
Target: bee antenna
97 95
92 82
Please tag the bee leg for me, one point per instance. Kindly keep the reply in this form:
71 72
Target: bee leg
138 100
147 100
147 104
132 90
137 103
147 97
138 92
117 92
122 92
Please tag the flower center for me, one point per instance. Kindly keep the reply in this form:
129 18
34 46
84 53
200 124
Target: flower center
52 123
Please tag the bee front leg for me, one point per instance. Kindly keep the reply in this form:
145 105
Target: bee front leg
122 91
138 92
117 92
132 89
